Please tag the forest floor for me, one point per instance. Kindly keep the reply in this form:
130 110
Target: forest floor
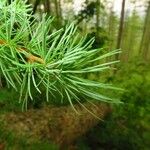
127 126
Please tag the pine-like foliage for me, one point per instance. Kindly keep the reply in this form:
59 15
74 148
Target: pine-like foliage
30 54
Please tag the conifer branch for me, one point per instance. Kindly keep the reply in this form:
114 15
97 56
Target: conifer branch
30 57
52 62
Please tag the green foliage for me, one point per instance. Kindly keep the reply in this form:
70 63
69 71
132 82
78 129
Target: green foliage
88 11
9 101
11 141
32 58
128 125
101 37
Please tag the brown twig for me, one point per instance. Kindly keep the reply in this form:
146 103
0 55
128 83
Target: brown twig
2 42
30 57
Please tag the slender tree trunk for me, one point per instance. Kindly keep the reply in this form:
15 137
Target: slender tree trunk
145 42
57 11
56 8
60 11
125 44
120 32
37 2
132 37
111 29
47 6
97 16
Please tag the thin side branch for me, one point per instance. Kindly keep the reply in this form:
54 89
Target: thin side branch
30 57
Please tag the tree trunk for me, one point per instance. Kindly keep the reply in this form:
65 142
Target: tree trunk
47 6
97 17
120 32
145 42
111 27
58 124
58 11
37 2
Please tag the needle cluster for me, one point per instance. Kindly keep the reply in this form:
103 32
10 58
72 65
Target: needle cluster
32 54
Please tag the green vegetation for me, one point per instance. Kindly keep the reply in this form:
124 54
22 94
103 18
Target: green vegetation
128 125
45 60
10 141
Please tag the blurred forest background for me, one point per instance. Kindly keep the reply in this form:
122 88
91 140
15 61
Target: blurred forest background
115 24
